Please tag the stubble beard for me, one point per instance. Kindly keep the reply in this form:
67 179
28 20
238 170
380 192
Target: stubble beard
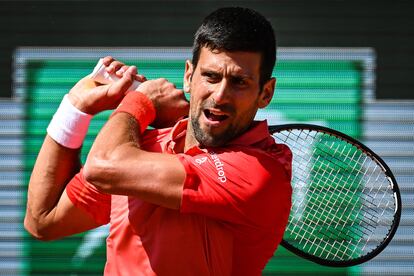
207 139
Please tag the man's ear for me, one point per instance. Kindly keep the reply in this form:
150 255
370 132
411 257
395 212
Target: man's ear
188 73
267 92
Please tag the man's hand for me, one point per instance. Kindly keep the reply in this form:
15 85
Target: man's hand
170 102
92 97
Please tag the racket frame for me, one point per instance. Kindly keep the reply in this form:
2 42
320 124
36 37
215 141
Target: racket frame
389 175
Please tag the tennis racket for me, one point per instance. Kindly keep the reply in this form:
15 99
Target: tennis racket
346 205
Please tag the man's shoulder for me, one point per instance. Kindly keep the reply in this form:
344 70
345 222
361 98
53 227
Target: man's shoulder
266 146
267 152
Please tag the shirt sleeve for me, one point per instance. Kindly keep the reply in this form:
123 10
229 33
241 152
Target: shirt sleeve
86 197
239 186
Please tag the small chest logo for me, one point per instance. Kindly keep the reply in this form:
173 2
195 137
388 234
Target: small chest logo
201 160
219 166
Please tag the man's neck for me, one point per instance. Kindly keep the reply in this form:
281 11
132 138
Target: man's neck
190 140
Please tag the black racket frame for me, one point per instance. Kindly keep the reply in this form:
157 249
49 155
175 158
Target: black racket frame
388 173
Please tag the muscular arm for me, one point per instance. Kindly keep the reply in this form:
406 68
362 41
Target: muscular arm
117 165
50 214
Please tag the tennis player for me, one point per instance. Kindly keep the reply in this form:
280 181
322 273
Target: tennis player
206 195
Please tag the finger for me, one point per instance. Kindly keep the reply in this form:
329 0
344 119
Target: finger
120 72
182 107
123 69
121 86
114 66
140 78
130 73
181 95
171 85
107 60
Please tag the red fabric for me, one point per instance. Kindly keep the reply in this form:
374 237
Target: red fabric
247 188
229 227
85 196
139 106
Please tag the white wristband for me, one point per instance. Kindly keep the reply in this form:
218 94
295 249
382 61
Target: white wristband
69 125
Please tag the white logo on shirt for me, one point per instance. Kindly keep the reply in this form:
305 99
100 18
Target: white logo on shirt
221 175
219 167
201 160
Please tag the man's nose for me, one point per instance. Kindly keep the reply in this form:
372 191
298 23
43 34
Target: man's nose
222 92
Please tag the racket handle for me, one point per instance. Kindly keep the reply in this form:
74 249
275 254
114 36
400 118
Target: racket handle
99 74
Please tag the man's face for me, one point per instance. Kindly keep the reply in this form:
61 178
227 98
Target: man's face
225 95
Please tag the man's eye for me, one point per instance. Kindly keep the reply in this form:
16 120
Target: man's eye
211 77
239 81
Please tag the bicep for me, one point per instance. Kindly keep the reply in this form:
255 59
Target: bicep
157 178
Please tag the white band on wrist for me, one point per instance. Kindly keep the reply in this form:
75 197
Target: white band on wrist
69 125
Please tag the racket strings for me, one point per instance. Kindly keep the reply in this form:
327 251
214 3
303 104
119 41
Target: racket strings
335 210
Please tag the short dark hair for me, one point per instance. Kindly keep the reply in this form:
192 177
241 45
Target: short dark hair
238 29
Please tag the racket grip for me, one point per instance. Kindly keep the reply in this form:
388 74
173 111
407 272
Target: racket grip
99 74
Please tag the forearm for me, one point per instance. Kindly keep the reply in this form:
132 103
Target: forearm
54 167
117 165
50 213
118 140
57 162
122 133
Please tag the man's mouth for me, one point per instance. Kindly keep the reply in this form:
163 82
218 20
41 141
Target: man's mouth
215 115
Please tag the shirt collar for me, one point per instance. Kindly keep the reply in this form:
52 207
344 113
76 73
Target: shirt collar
256 133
